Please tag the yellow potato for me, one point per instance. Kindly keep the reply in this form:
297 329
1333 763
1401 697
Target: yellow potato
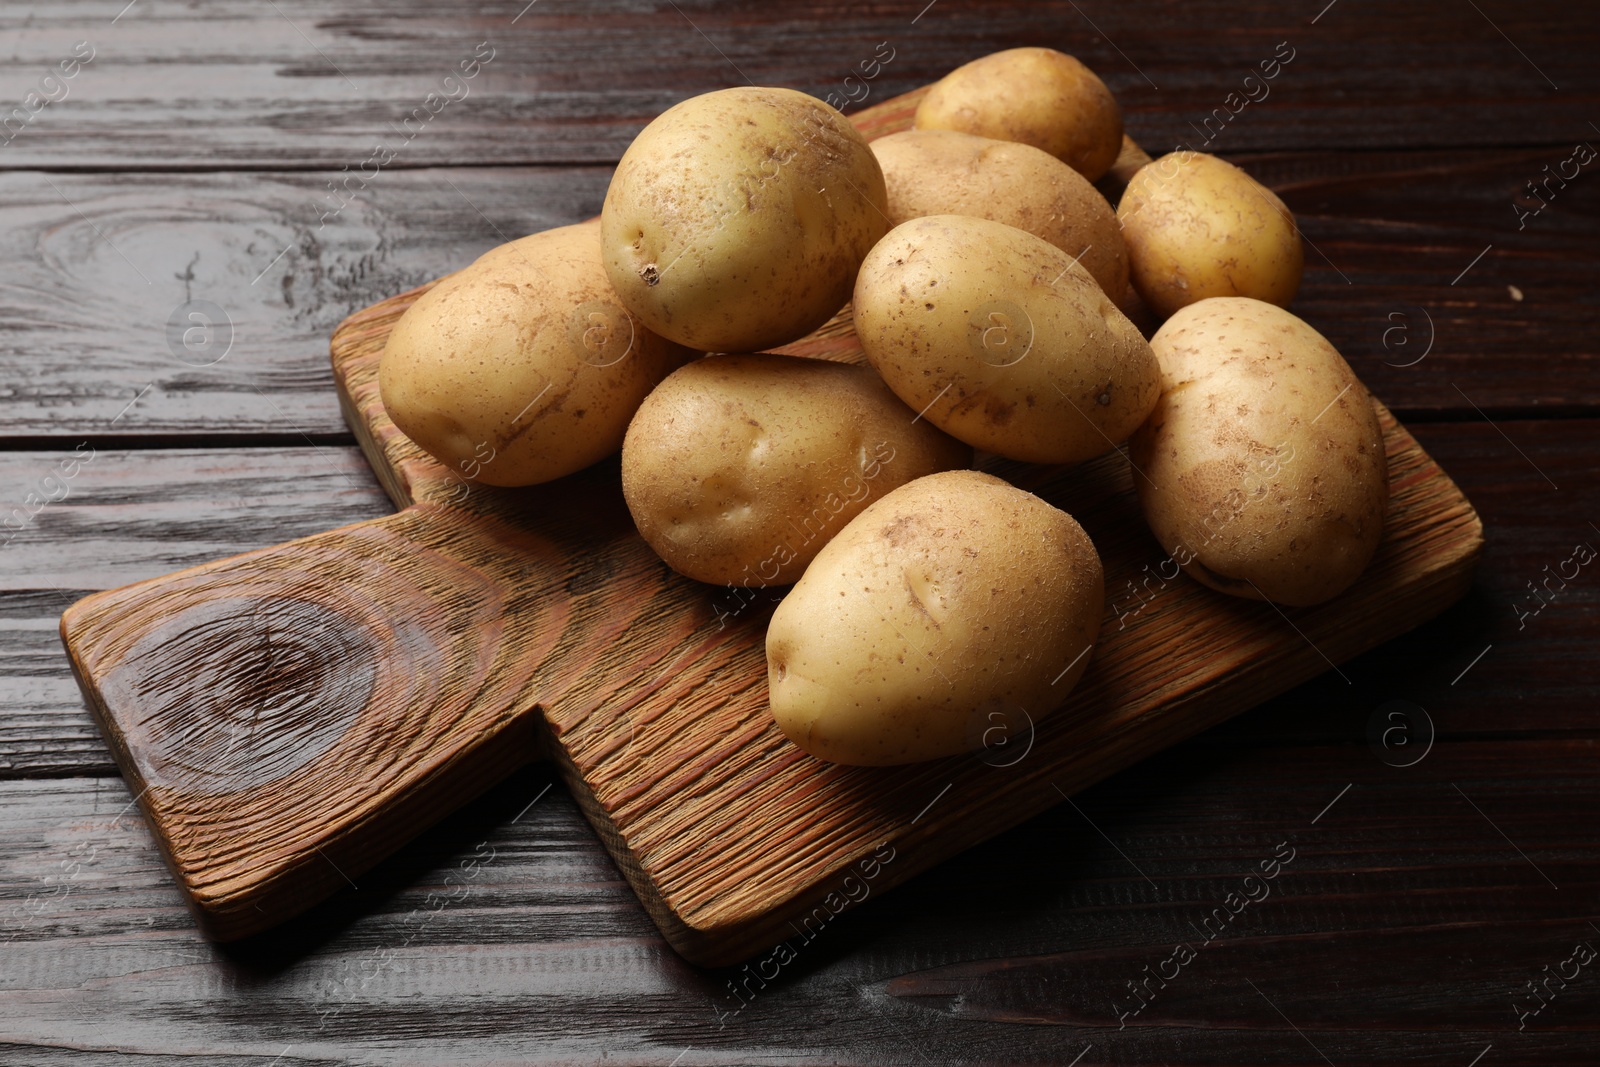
1263 470
1002 340
942 172
738 469
1196 227
736 220
948 616
524 367
1037 96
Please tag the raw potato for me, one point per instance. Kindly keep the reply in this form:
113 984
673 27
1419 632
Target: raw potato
1196 227
942 172
1264 467
946 617
524 367
1001 339
738 469
736 220
1038 96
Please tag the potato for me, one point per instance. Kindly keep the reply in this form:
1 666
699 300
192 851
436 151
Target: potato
524 367
955 609
1038 96
1263 466
1002 340
738 469
737 219
942 172
1196 227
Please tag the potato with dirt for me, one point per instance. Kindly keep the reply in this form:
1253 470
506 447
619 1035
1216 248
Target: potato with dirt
1197 226
955 609
1262 469
524 367
738 469
737 219
1002 340
942 172
1038 96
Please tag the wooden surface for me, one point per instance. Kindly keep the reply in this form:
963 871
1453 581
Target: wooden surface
1400 151
289 718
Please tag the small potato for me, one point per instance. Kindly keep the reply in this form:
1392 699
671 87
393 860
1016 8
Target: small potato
736 220
1262 468
1037 96
942 172
1001 339
946 617
1196 227
524 367
738 469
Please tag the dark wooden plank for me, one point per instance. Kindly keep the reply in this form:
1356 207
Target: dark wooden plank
1395 281
1393 936
249 84
110 517
97 268
504 935
85 346
44 726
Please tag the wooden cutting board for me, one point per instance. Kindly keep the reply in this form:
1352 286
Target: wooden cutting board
289 717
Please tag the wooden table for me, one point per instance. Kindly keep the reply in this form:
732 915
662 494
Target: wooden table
1428 811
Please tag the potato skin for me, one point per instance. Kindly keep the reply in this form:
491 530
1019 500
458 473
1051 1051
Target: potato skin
943 172
736 220
1037 96
1002 340
739 468
524 367
1264 468
1197 226
955 605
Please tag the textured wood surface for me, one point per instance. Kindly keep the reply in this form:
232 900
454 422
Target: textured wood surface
88 353
1402 162
241 84
137 515
549 958
285 733
122 518
505 935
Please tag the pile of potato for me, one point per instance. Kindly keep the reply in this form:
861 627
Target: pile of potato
991 285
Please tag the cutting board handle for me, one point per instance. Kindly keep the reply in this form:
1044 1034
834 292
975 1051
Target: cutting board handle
289 717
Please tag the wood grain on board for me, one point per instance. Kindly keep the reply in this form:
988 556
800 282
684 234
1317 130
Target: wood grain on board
132 515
